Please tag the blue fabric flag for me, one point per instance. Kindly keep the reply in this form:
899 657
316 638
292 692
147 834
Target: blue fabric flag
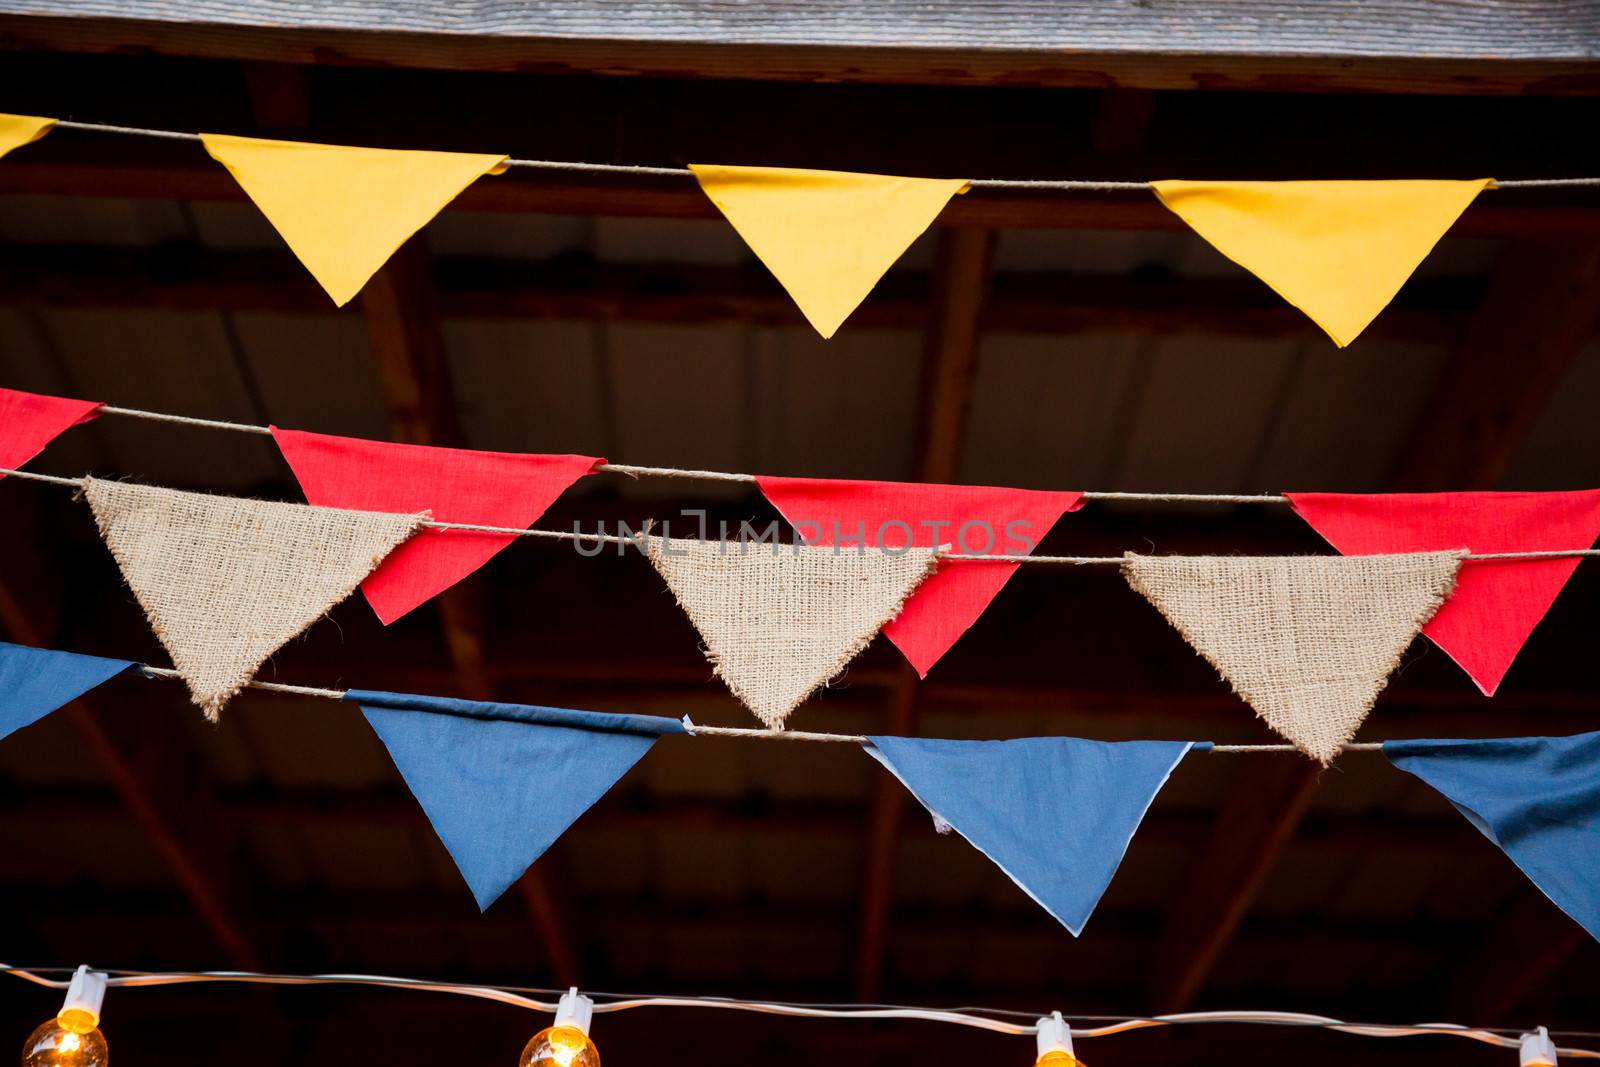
1054 813
36 681
1538 798
500 782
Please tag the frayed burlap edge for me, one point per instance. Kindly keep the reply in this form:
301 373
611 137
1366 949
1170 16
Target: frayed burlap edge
776 722
211 706
1428 612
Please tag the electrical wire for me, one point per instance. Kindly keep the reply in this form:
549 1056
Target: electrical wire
973 1018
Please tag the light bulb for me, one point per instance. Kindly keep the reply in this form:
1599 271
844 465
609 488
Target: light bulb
1058 1058
72 1039
560 1046
61 1043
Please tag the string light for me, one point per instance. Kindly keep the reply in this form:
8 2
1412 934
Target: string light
565 1042
574 1012
73 1037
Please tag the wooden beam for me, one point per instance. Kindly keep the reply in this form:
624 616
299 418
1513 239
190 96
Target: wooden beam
192 277
1541 309
173 176
1459 48
157 781
401 309
962 269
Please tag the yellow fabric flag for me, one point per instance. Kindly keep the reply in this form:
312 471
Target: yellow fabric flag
826 235
1339 251
343 210
18 130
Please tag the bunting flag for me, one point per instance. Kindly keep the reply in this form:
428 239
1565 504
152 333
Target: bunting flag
36 681
29 421
1496 604
826 235
453 484
1307 641
500 782
225 581
344 211
1054 813
976 520
1537 798
1339 251
18 130
781 620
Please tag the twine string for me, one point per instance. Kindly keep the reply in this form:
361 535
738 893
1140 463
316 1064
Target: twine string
1049 185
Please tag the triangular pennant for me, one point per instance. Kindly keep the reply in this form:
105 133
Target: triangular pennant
1537 798
36 681
345 210
225 581
1054 813
29 421
826 235
781 620
453 484
500 782
1339 251
1308 641
972 519
1497 603
18 130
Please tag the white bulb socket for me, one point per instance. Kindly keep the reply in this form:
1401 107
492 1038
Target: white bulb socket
85 993
575 1010
1054 1035
1537 1048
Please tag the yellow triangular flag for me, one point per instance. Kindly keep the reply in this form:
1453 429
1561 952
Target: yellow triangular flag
1338 251
826 235
342 210
18 130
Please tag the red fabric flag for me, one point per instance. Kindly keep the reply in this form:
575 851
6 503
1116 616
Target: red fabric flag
456 485
974 519
1497 603
29 421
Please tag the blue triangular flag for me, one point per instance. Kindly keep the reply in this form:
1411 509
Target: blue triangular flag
1538 798
36 681
1054 813
500 782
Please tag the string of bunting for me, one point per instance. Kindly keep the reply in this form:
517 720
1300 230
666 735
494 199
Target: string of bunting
1054 814
574 1013
1308 642
1337 250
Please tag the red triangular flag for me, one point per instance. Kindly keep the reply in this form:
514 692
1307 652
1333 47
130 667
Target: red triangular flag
1496 604
29 421
975 519
456 485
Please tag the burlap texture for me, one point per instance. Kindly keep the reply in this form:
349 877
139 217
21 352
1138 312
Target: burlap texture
226 581
778 621
1308 641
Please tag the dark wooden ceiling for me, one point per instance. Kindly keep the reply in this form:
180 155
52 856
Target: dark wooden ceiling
1081 341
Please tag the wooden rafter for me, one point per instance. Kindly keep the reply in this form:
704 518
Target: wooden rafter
962 271
1459 48
407 339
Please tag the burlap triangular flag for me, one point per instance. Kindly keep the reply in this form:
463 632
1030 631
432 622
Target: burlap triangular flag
225 581
1308 641
345 210
1339 251
826 235
781 620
